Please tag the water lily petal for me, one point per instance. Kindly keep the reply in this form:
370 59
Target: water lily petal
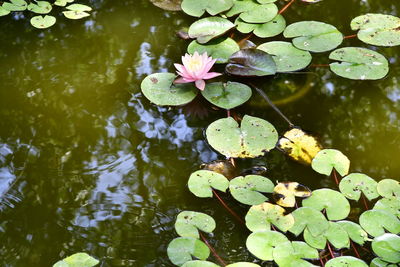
182 71
209 65
211 75
201 84
183 80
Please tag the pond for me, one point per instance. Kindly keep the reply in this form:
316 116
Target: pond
88 164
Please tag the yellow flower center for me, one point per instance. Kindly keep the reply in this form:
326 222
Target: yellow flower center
195 64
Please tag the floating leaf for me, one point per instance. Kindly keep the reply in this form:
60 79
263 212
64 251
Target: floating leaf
377 29
387 247
285 193
41 22
374 222
335 234
337 207
287 57
261 244
197 8
182 249
260 218
15 5
311 1
202 182
389 188
266 1
75 14
209 28
243 264
294 253
263 30
227 95
62 2
77 260
254 137
391 205
314 36
41 7
198 263
158 88
359 63
220 49
253 12
345 261
188 224
248 190
3 11
354 231
79 8
377 262
251 62
328 159
223 167
170 5
353 184
309 218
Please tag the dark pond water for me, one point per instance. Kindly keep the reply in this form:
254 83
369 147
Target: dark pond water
88 164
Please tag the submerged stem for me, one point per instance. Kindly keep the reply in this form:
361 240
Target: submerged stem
221 261
229 209
266 98
355 249
350 36
286 7
334 174
330 250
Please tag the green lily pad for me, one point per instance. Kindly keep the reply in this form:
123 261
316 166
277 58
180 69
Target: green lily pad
41 7
188 224
345 261
263 30
197 8
387 247
309 218
3 11
286 56
197 263
337 207
41 22
359 63
353 184
158 88
77 260
314 36
220 49
252 12
202 182
328 159
182 249
261 244
377 29
75 14
285 193
251 62
207 29
248 190
391 205
260 218
227 95
354 231
294 253
254 137
266 1
375 222
79 8
62 2
335 234
243 264
389 188
15 5
377 262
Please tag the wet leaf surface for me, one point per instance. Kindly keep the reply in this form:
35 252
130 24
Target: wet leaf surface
285 193
188 224
183 249
207 29
375 222
220 49
197 8
201 183
227 95
251 62
387 247
328 159
248 190
356 183
261 244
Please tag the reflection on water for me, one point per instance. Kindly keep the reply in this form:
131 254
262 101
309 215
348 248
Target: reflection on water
87 164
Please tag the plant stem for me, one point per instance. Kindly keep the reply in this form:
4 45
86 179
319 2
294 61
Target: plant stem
330 250
321 261
286 7
365 202
229 209
221 261
266 98
228 113
319 65
334 174
350 36
355 249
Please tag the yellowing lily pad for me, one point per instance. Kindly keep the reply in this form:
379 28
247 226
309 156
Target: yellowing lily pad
299 146
285 193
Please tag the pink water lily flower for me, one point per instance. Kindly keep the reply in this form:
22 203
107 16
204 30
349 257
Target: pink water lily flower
196 69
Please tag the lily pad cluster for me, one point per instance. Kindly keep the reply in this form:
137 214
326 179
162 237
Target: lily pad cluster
41 9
